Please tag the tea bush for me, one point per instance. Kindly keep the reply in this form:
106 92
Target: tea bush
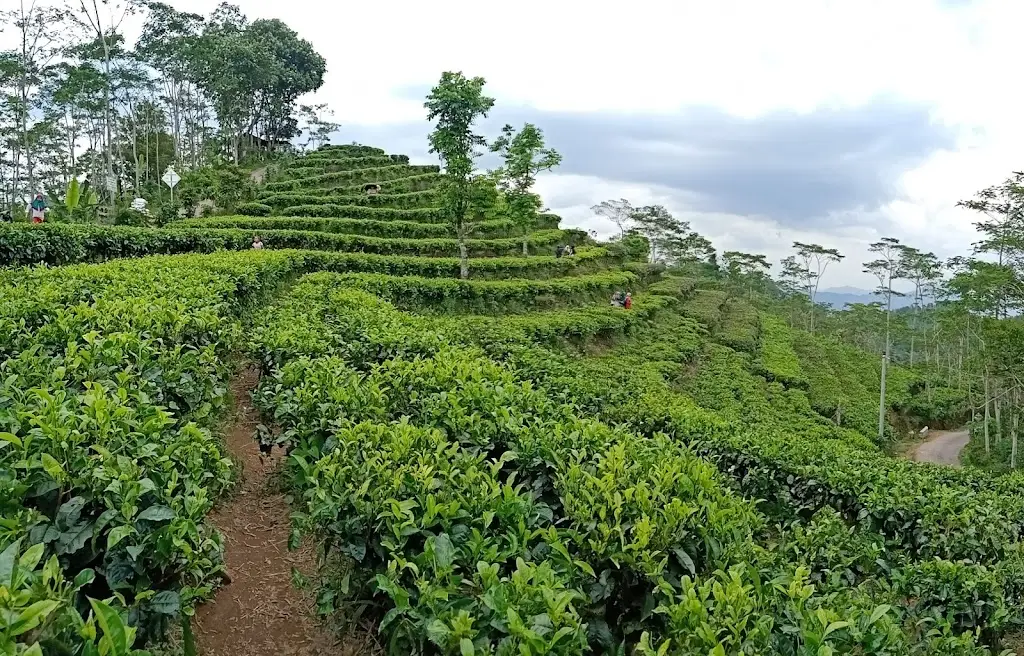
352 178
497 228
111 378
255 209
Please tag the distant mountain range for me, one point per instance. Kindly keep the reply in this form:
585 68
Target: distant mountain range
839 297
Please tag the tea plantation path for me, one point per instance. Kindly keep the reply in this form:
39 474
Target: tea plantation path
259 611
942 448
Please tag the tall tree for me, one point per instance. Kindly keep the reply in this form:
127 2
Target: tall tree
620 212
317 125
886 267
1002 228
524 157
39 33
923 270
805 270
102 21
746 270
169 43
455 104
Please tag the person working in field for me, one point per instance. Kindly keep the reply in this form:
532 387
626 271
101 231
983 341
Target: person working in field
257 243
38 209
628 302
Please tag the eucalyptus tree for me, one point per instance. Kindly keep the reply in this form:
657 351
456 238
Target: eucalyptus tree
887 267
923 270
620 212
805 269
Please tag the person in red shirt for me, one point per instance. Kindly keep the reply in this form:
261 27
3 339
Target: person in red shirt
629 300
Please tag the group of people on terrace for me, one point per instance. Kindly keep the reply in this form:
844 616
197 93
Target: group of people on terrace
622 300
566 250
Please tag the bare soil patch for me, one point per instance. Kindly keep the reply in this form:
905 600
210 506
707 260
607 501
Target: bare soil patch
259 611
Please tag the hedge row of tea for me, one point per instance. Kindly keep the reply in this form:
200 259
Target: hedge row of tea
503 490
111 378
56 244
513 464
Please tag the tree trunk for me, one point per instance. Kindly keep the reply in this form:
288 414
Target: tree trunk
997 401
526 248
463 258
881 400
1013 432
987 444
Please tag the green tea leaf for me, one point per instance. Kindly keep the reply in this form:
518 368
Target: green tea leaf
167 602
10 438
31 557
53 468
117 534
30 618
113 626
444 551
156 514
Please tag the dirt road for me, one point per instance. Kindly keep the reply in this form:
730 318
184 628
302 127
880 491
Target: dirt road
942 447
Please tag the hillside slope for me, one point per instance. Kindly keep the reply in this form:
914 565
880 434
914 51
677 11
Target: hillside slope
504 464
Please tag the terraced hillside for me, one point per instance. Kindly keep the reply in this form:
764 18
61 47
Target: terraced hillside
497 465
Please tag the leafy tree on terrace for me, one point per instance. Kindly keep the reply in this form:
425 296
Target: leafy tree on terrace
671 239
455 104
524 158
318 127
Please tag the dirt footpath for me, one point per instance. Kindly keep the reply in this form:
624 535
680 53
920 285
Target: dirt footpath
259 612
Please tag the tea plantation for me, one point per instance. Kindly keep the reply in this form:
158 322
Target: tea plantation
504 464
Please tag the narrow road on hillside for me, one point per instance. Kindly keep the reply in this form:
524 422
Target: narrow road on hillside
942 447
259 612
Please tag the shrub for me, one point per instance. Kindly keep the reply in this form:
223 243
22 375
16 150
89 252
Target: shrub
254 209
352 178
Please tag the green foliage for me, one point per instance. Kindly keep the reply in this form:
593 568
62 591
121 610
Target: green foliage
331 151
740 326
632 247
357 177
413 199
112 376
491 296
369 227
364 351
227 185
422 214
777 358
705 305
254 209
315 165
64 243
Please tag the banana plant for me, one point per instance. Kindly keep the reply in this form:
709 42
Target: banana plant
78 205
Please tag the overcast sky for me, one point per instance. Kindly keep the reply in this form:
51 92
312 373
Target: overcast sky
762 123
